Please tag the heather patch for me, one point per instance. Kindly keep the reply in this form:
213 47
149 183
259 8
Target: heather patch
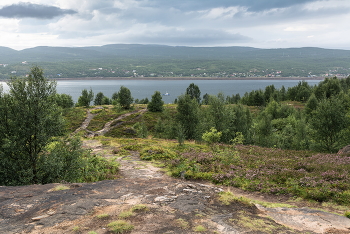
319 177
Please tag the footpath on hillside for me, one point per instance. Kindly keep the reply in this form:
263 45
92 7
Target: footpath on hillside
152 202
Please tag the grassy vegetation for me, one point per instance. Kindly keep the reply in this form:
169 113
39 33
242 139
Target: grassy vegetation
102 216
103 116
120 226
256 224
74 117
313 176
227 198
182 223
125 214
139 207
199 228
347 214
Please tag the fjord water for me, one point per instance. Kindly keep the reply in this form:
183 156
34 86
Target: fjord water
141 89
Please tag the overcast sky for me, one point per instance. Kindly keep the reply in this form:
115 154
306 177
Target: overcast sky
255 23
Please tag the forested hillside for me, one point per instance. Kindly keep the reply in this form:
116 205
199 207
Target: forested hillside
169 61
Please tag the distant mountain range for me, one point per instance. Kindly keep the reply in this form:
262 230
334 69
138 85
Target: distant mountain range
55 54
136 53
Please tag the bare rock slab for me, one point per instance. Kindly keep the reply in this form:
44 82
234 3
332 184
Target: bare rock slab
305 219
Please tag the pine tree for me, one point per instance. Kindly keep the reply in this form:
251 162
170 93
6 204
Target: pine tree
156 104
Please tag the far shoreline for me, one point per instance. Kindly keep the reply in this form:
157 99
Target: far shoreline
192 78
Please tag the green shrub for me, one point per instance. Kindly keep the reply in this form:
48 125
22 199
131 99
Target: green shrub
132 147
95 111
343 198
102 216
99 168
125 214
157 153
199 228
227 198
120 226
139 207
347 214
182 223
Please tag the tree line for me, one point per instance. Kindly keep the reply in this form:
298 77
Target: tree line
300 117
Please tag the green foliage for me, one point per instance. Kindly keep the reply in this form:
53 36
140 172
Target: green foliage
29 119
212 137
120 226
157 153
124 98
64 160
347 214
125 214
156 104
328 88
67 160
98 99
74 117
139 207
187 115
99 168
182 223
228 198
103 216
327 122
311 105
85 98
194 92
141 129
301 92
64 100
199 228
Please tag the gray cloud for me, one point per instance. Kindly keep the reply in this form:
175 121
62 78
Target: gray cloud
30 10
198 37
251 5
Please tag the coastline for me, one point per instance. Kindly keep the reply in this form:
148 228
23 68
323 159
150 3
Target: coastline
192 78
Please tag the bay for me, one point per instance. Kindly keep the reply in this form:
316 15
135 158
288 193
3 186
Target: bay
141 89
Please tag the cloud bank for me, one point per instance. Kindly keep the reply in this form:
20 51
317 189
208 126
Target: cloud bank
30 10
256 23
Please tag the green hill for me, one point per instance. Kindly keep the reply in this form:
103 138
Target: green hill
118 60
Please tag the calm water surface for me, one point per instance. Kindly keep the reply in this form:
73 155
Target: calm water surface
145 88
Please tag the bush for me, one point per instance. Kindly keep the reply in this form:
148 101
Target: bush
120 226
67 160
156 153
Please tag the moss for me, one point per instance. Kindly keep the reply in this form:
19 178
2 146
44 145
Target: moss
182 223
199 228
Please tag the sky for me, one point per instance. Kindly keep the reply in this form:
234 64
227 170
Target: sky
254 23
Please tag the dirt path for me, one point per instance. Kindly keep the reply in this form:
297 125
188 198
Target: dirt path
170 206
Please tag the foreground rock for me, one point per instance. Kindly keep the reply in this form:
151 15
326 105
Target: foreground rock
173 206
